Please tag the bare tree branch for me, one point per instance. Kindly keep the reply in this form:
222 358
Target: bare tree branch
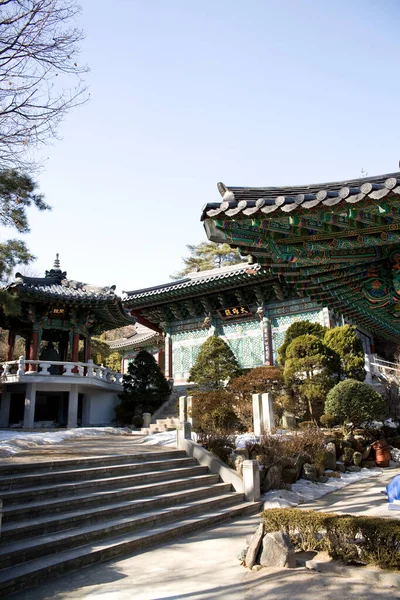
40 78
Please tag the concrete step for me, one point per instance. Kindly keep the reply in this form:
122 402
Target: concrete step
40 526
42 492
13 553
22 481
19 512
91 461
37 570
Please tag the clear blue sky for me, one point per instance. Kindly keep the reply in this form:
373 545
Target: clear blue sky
186 93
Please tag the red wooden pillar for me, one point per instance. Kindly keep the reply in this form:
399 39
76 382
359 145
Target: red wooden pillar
10 345
33 354
170 358
161 358
75 347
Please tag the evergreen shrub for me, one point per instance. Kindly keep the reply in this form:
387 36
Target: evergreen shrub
371 540
354 402
214 366
145 388
348 346
296 330
213 412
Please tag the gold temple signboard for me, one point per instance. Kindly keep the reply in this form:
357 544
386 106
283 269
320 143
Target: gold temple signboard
233 312
58 313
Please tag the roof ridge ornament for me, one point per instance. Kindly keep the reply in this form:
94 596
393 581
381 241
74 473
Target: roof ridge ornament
57 262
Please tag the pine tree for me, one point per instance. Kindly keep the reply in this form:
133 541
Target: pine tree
145 388
295 330
208 255
346 343
215 364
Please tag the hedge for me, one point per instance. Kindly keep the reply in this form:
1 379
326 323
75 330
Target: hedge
370 540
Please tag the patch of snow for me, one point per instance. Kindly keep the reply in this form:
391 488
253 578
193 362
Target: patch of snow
304 491
166 438
12 442
244 439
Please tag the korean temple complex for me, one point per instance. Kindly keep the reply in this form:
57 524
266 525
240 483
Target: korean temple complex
328 253
51 382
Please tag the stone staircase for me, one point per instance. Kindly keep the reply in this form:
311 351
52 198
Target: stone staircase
63 515
166 418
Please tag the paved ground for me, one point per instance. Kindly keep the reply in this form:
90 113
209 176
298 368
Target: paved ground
204 567
81 447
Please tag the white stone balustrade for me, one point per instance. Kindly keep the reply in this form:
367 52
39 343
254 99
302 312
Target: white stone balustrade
17 369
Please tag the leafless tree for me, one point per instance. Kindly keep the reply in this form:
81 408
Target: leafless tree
40 77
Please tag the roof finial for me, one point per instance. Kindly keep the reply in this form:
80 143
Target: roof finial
57 262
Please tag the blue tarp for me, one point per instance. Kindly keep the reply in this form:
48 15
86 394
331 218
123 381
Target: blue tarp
393 489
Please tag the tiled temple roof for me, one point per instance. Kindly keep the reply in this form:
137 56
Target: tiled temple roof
140 336
260 201
54 288
196 282
337 243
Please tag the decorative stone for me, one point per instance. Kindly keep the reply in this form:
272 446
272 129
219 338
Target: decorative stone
334 474
239 460
299 462
277 551
241 554
256 568
340 467
323 479
330 456
289 475
273 478
254 547
309 472
357 458
288 421
353 469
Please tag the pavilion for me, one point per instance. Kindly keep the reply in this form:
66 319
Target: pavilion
57 317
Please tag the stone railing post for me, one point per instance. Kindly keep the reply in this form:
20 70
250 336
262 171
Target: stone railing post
251 480
6 370
21 366
182 409
183 433
146 419
189 409
90 368
68 369
44 368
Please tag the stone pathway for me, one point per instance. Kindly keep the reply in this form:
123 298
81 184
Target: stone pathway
203 567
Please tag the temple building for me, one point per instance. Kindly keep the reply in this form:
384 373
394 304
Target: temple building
327 252
55 380
244 304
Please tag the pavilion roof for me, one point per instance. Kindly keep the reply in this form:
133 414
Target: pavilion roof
55 289
338 243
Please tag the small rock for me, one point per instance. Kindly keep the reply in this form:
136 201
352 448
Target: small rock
277 551
273 478
241 554
330 456
368 464
289 475
254 547
334 474
256 567
309 472
366 453
357 458
340 467
353 469
323 479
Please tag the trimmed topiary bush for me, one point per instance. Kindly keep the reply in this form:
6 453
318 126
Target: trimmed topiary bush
346 343
354 402
215 364
296 330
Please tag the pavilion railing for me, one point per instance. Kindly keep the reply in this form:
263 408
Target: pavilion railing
65 369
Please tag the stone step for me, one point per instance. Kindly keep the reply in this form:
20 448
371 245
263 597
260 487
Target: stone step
80 474
42 492
14 553
18 512
40 526
37 570
83 463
